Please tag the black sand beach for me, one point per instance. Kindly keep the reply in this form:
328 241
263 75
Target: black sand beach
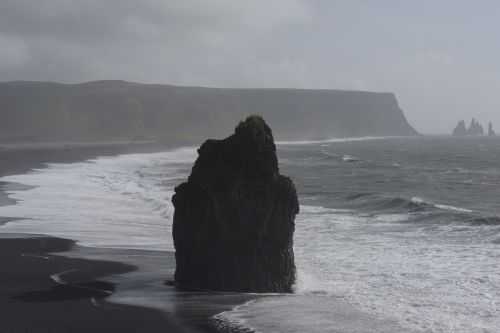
50 284
32 301
33 298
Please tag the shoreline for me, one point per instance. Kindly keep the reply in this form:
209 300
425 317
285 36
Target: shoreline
52 283
22 158
41 289
110 289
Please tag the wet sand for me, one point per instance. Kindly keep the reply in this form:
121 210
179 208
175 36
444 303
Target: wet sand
50 284
35 296
34 299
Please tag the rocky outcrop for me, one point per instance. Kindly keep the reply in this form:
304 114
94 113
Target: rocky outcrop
460 129
234 217
491 131
475 128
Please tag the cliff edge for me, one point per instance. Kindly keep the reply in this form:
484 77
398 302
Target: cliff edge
119 110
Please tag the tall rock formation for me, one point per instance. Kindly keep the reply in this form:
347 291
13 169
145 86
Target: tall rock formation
475 128
491 131
460 129
234 217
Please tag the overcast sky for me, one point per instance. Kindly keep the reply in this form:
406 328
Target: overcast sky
441 58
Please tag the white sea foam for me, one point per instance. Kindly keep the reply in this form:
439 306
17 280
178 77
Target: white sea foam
106 202
349 158
426 280
418 200
302 313
234 320
457 209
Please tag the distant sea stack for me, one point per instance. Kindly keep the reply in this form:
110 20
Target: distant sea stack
109 110
474 129
460 129
234 217
491 131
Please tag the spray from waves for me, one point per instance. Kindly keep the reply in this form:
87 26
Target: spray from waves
421 202
312 274
424 279
117 202
255 316
349 158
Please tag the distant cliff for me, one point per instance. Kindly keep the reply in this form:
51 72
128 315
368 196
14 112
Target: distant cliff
113 110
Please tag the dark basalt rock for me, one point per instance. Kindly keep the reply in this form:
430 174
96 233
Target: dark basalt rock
234 217
460 129
475 128
491 131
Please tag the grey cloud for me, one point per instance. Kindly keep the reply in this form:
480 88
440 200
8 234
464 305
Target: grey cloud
112 35
438 58
94 21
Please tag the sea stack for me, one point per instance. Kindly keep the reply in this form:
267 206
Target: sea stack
235 216
460 129
475 128
491 131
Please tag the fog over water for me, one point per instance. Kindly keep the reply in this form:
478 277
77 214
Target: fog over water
438 57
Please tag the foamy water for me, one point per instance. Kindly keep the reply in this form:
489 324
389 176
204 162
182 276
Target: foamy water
115 202
401 265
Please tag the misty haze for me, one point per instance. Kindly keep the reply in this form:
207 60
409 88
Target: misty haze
264 166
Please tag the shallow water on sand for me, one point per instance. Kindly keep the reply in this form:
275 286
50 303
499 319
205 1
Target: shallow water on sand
393 232
116 202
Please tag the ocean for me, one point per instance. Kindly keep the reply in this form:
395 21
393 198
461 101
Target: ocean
404 230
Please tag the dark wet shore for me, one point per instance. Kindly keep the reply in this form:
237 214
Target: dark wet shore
49 284
17 159
33 298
